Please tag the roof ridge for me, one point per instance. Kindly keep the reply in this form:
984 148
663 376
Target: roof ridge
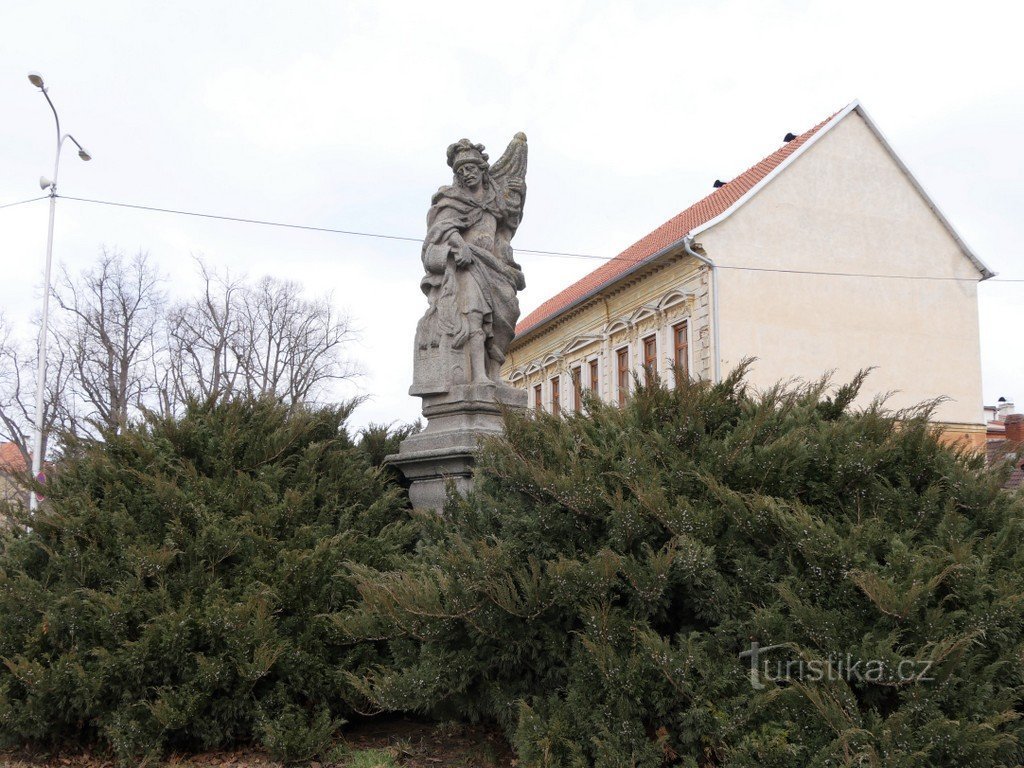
701 212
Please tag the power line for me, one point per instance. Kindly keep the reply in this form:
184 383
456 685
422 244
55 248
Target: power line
562 254
22 202
306 227
865 274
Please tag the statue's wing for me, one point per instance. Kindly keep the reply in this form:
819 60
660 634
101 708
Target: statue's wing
512 164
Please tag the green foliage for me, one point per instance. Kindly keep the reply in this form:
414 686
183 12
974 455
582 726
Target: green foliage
596 591
296 734
379 441
175 589
370 758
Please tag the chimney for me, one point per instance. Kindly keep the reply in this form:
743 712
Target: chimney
1014 428
1004 408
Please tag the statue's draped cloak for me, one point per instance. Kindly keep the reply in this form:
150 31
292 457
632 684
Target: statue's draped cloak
488 285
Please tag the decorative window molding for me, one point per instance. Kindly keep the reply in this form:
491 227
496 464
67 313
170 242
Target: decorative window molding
622 324
676 297
580 342
642 313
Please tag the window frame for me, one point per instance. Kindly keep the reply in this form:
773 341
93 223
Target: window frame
622 374
576 374
650 352
684 326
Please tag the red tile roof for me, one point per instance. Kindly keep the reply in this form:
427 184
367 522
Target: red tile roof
11 460
672 231
998 451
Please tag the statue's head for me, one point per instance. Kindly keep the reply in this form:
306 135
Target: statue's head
468 161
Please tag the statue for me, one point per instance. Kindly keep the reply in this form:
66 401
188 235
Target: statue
471 280
471 275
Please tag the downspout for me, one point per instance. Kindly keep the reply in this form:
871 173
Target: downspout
715 339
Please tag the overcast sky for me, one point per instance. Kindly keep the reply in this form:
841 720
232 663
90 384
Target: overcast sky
338 115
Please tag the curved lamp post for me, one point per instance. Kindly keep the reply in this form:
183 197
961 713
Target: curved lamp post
37 452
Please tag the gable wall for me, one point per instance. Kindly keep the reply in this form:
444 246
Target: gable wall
845 206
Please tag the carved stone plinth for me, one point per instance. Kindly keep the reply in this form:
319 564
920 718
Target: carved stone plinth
445 450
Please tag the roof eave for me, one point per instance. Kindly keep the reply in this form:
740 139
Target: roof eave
645 262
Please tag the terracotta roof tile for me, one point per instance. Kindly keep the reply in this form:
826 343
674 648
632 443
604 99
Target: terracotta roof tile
668 233
11 460
998 451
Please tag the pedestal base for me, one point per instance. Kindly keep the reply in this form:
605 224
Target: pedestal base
445 450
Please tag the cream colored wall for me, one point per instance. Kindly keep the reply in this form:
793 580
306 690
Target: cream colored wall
845 206
649 303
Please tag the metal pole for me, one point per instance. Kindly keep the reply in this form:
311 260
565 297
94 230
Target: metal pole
37 449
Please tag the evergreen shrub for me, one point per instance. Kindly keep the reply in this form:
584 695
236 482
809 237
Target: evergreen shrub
176 588
596 591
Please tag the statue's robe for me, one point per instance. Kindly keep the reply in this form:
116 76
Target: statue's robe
487 286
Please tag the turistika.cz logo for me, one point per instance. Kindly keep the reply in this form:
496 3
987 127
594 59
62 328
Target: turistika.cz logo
764 671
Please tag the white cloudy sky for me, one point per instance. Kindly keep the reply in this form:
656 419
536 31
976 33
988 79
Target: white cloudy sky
338 114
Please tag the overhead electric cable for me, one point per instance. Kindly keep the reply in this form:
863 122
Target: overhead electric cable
306 227
22 202
562 254
866 274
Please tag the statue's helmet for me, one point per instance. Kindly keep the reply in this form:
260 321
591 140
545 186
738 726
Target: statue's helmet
464 151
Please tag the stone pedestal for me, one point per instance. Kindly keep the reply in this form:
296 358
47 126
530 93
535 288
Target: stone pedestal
456 422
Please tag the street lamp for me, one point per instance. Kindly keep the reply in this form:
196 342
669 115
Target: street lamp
37 453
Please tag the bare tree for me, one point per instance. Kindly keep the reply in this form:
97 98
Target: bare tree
201 363
115 349
288 346
17 392
112 313
260 340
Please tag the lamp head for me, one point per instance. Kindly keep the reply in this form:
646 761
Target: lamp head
36 79
84 155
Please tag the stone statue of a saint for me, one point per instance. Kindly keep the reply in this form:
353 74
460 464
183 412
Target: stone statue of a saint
470 280
471 276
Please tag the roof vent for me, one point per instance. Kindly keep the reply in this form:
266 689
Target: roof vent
789 137
718 183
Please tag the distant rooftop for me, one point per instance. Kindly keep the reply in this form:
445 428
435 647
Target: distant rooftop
11 460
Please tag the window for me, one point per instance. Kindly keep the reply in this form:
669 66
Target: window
622 357
556 405
577 388
650 358
538 398
681 341
595 382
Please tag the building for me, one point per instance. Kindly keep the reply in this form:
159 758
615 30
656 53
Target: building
827 255
1005 429
12 471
